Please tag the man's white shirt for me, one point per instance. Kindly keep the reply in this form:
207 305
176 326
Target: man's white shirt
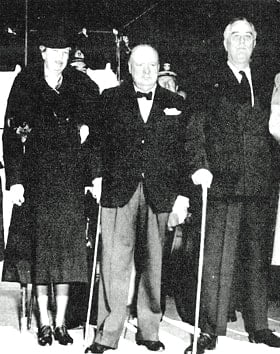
145 105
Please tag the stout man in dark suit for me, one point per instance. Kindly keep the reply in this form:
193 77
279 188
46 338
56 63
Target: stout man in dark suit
143 181
230 138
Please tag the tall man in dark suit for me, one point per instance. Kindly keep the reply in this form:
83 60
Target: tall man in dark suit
142 182
230 138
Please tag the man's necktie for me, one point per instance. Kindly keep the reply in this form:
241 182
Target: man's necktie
245 89
148 95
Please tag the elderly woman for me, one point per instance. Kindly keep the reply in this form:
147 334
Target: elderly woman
51 109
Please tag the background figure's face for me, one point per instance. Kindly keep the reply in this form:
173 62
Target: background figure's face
56 59
240 43
79 65
168 82
144 67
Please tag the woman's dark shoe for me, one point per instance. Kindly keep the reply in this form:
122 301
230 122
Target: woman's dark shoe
45 335
62 336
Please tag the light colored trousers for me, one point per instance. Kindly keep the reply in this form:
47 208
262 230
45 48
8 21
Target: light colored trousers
119 236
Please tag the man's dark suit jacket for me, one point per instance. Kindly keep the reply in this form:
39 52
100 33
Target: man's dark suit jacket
231 139
133 149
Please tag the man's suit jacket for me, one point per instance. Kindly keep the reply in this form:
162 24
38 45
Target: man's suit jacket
135 151
232 139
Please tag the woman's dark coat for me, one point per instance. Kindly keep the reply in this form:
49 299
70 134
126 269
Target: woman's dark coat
53 167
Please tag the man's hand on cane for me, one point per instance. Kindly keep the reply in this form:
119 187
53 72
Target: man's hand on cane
96 188
203 177
179 212
17 194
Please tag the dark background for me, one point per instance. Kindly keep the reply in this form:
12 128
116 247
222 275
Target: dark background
187 33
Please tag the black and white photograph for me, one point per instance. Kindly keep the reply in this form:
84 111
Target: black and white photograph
140 175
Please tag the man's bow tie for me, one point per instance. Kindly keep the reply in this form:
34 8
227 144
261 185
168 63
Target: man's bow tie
148 95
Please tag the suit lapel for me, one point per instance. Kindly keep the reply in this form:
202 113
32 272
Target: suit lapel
157 107
231 80
128 106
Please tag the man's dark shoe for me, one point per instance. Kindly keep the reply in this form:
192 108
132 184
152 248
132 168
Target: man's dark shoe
205 341
97 348
265 336
155 346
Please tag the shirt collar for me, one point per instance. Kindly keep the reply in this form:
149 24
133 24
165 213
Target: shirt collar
236 71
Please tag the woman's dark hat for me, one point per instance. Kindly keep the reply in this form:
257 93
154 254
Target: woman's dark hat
54 39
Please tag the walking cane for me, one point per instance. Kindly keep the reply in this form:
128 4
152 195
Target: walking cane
30 307
98 229
200 268
23 307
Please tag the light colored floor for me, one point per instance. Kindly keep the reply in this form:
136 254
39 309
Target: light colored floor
174 333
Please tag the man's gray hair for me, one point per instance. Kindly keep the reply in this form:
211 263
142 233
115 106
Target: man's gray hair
228 29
